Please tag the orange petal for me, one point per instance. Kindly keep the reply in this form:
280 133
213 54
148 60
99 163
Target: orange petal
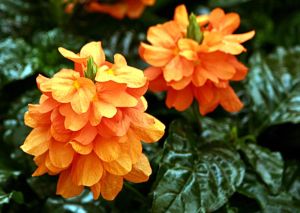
62 85
65 187
240 38
181 16
107 149
152 73
229 23
229 100
140 171
177 68
155 56
111 185
73 121
87 170
151 130
132 146
94 50
180 99
40 161
159 84
83 96
159 36
82 149
179 85
86 135
207 97
72 56
188 48
96 190
37 142
120 166
53 170
117 126
216 16
61 154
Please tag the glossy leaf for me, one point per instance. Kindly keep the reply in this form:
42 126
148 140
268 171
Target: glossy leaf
274 93
282 202
14 195
193 178
268 165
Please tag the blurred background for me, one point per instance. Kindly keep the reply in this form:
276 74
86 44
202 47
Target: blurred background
32 30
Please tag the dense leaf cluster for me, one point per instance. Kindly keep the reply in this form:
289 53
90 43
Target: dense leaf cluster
242 162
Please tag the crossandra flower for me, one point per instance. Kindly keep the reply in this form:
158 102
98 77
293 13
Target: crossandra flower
195 57
88 128
117 9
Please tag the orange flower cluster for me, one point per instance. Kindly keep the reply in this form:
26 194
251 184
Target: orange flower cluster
89 123
121 8
199 66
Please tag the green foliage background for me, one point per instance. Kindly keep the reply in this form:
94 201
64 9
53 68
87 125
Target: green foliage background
242 162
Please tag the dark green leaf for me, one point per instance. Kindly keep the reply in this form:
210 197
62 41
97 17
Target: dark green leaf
14 195
268 165
226 3
283 202
15 60
274 89
6 174
291 181
193 178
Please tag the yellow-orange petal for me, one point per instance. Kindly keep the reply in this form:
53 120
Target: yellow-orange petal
111 185
140 171
72 56
151 131
107 149
121 166
65 187
240 38
181 17
94 50
37 142
87 170
82 149
61 154
83 96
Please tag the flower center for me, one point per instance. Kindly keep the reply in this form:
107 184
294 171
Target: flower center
76 85
110 72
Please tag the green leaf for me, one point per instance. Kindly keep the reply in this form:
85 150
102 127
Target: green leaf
14 195
283 202
194 178
274 89
15 60
226 3
6 174
291 181
268 165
